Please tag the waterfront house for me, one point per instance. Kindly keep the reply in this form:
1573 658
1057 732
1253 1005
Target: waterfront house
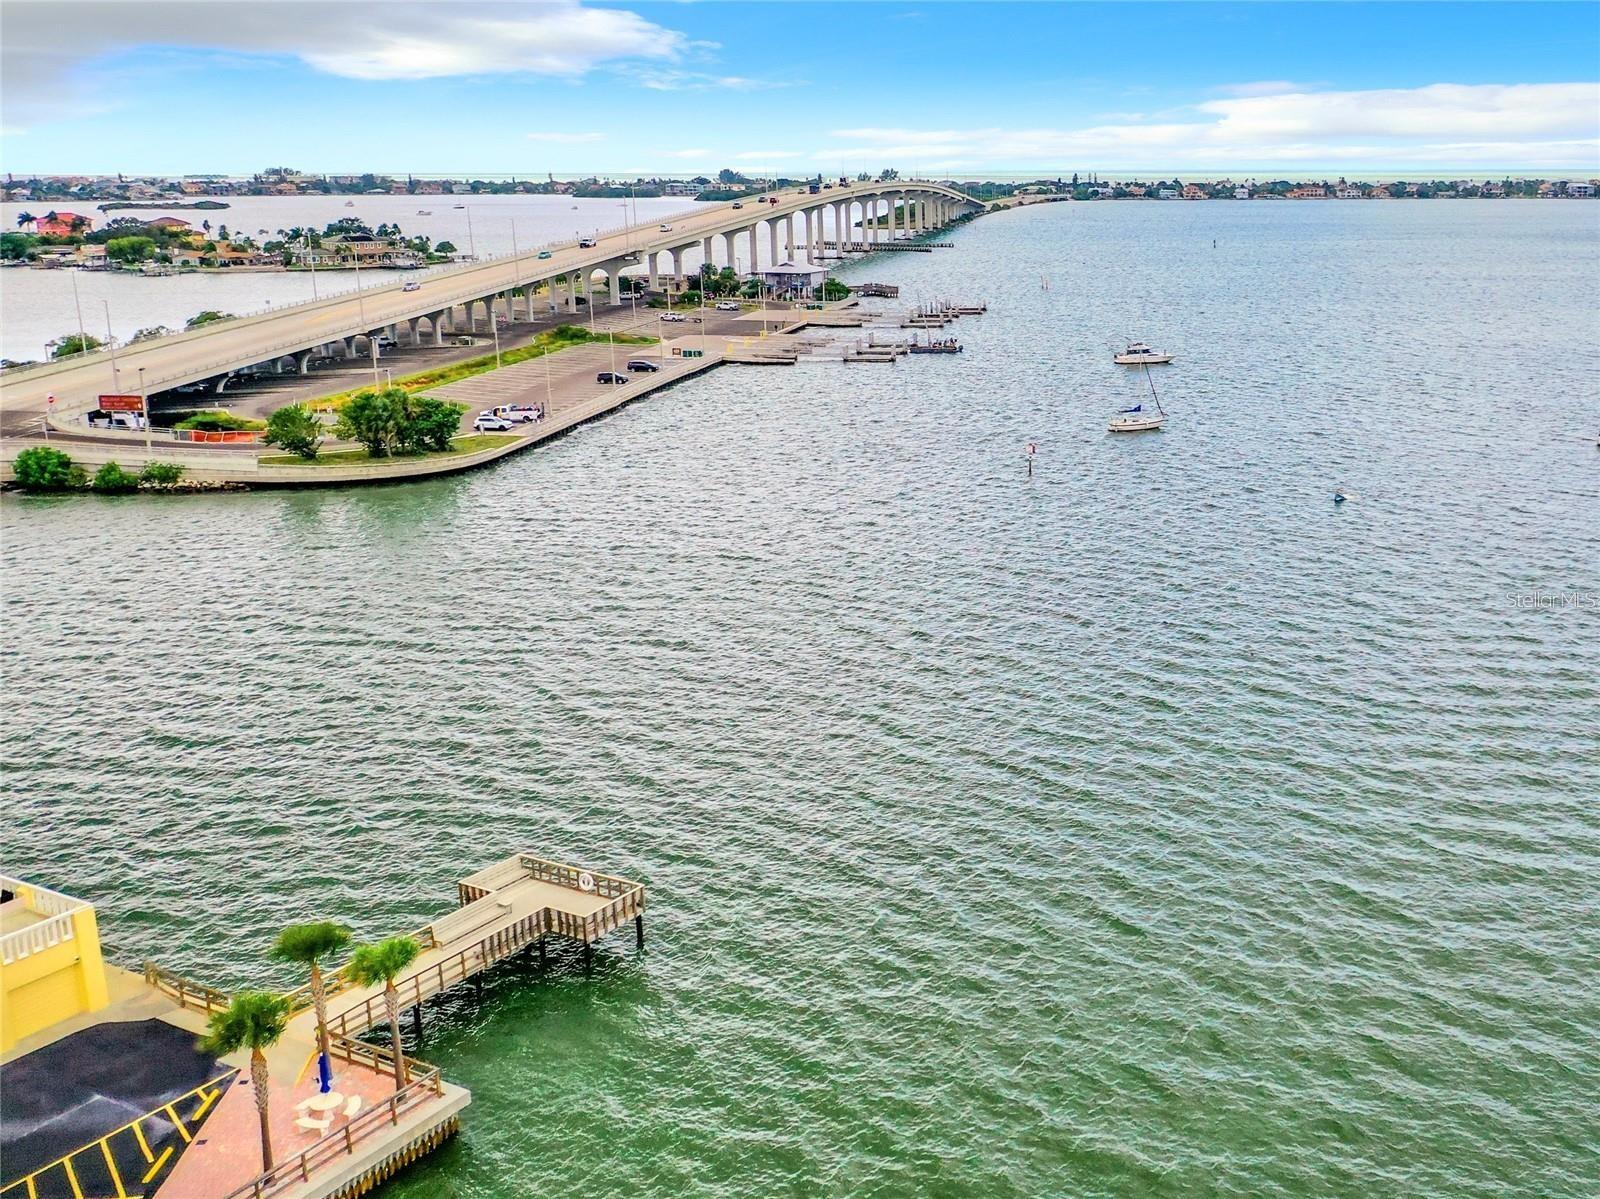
62 224
170 223
1309 191
1241 193
1193 191
1346 192
1580 190
1167 193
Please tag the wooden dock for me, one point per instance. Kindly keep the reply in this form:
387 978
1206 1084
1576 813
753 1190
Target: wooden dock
508 908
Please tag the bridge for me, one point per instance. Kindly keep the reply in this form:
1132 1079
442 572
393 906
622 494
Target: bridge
795 223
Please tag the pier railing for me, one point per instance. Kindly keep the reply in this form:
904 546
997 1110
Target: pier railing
336 982
424 1087
186 991
563 875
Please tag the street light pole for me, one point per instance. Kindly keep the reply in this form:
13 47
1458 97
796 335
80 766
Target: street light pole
111 344
83 338
144 406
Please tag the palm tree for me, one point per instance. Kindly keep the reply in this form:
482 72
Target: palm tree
372 964
308 944
25 218
253 1020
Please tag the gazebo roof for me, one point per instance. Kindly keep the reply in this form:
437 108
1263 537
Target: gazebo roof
792 268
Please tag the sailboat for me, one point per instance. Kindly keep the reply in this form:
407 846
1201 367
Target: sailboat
1136 419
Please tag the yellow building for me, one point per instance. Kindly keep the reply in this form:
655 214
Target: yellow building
50 964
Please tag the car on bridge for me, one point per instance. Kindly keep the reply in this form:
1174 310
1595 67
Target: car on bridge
643 364
412 286
611 377
488 422
666 228
738 203
544 253
586 243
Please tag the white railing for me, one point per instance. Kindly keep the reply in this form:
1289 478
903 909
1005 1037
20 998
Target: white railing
36 938
41 900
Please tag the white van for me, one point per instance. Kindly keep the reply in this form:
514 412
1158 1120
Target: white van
132 422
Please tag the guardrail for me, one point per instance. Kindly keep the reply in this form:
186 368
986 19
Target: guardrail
186 991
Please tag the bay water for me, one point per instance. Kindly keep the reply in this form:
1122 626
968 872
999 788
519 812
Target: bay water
1149 826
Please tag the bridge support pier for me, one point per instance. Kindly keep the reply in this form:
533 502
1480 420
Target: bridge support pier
437 321
614 278
302 361
788 236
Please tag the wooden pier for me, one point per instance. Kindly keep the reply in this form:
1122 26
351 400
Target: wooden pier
511 907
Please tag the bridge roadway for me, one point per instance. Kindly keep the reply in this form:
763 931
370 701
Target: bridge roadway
797 226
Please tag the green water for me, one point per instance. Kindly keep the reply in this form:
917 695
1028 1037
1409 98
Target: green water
1149 828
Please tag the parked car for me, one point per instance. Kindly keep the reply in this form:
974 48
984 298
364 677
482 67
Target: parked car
522 414
544 253
384 342
728 306
666 228
466 341
610 377
643 364
412 286
674 317
586 243
488 422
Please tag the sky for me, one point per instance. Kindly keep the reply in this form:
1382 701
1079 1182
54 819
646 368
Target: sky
529 87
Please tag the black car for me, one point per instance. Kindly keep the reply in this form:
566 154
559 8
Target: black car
610 377
641 364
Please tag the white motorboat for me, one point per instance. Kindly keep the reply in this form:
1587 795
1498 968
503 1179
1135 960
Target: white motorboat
1140 419
1139 354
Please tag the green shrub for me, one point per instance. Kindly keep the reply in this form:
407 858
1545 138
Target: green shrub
77 478
161 474
43 469
431 423
210 315
111 479
216 421
296 429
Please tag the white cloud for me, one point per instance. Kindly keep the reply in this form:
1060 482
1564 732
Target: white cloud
766 155
697 152
565 139
1495 125
48 46
699 81
1264 87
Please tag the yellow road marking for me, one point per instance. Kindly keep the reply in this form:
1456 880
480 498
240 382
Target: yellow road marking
77 1190
160 1161
111 1166
144 1145
207 1098
182 1131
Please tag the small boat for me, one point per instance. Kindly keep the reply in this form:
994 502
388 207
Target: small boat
424 212
1139 354
1136 419
349 203
460 205
947 345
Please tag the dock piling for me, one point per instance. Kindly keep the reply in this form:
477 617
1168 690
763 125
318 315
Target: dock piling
638 929
416 1022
